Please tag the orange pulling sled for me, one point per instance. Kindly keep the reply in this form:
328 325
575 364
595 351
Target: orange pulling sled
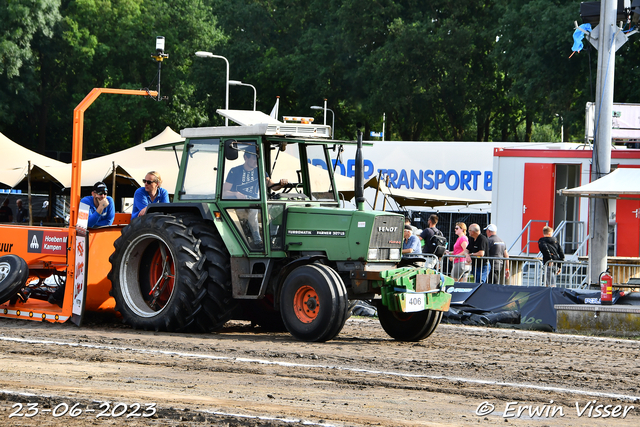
43 260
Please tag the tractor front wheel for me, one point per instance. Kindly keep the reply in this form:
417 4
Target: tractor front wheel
314 303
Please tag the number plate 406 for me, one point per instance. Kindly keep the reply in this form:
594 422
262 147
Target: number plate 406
414 302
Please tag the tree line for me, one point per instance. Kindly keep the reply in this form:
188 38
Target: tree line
463 70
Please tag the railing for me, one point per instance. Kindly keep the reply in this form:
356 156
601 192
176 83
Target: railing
529 271
523 271
527 229
566 274
576 242
625 275
577 230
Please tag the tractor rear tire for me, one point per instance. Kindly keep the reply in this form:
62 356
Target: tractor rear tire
157 274
408 326
218 304
314 303
13 276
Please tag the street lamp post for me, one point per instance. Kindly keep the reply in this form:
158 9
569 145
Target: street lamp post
202 54
333 116
561 127
239 83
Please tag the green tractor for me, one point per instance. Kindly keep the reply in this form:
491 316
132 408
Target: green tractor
255 231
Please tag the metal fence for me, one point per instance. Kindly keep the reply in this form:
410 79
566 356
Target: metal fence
572 274
517 270
530 271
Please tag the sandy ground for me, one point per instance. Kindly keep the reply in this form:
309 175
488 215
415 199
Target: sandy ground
107 374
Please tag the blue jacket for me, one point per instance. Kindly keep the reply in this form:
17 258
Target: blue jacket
141 199
414 243
96 219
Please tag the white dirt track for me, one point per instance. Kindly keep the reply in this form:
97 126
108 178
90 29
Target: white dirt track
244 376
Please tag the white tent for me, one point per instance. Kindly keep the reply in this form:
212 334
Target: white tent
135 162
132 164
620 182
14 168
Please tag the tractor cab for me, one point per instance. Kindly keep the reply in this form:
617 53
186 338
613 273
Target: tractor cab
262 169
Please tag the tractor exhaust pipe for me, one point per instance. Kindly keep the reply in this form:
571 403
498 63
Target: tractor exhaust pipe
359 177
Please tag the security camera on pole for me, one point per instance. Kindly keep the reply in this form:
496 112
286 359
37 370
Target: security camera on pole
159 57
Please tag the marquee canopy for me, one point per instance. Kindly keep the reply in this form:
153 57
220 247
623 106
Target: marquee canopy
44 170
620 182
131 165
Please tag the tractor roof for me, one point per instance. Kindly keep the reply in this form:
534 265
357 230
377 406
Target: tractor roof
257 123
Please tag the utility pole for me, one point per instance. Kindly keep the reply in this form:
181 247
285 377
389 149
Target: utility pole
607 38
601 158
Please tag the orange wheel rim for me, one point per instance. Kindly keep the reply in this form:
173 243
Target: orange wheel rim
306 304
156 274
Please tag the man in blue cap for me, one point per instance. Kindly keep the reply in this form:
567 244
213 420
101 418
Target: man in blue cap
101 207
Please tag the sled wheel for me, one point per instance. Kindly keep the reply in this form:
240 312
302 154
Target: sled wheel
313 303
408 326
156 275
217 302
13 276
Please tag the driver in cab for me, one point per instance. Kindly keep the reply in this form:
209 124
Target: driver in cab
242 181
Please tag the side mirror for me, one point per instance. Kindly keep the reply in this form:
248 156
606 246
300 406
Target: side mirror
231 149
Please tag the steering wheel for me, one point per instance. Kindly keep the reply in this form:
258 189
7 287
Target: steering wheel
286 187
290 186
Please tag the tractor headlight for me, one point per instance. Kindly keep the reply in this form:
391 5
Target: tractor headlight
394 253
373 253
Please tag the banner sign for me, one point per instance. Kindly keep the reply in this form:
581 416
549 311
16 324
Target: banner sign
461 291
79 280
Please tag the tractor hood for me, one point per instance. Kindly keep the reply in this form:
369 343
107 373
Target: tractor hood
345 234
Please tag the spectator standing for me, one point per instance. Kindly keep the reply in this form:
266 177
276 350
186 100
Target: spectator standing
551 251
152 192
431 229
6 214
478 247
22 213
410 243
461 269
497 249
101 207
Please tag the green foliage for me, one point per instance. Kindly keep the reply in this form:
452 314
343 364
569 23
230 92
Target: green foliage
21 21
440 70
106 43
539 133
